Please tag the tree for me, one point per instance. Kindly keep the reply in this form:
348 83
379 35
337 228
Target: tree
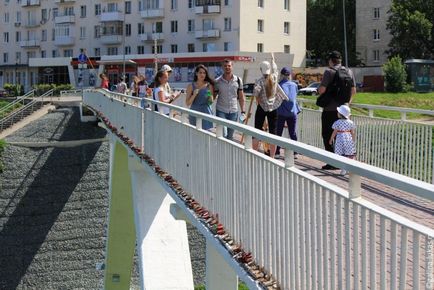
325 30
411 25
395 75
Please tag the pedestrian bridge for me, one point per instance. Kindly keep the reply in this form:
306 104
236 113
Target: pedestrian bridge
265 221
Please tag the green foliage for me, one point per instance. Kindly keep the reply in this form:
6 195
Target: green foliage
241 286
395 75
14 90
325 29
411 25
43 88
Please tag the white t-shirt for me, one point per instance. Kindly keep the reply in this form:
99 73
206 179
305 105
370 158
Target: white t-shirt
161 109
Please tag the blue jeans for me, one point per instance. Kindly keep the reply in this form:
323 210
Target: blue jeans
227 132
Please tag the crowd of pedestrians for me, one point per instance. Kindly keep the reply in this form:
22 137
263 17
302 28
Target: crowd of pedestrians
275 96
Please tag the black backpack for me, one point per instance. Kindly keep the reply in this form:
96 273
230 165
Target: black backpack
342 84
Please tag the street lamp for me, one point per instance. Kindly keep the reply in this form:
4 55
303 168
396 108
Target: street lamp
345 34
123 40
155 52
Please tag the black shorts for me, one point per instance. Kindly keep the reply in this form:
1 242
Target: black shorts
271 118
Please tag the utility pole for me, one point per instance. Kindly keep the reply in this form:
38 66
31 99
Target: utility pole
345 34
155 54
123 42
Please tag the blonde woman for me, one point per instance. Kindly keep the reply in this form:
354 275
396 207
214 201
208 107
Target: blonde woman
265 92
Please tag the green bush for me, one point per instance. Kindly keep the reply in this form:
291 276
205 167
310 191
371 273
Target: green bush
62 87
43 88
14 90
395 75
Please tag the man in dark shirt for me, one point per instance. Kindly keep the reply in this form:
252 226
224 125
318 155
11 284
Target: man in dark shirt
330 114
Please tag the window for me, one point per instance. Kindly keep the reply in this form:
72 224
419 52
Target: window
140 28
190 25
97 51
173 26
127 49
127 7
190 47
53 34
207 47
159 48
228 24
18 56
376 13
31 54
260 25
17 36
157 27
68 11
97 31
97 9
376 55
260 47
150 4
54 53
82 32
190 3
174 48
226 2
140 49
18 16
286 5
5 57
44 35
83 11
286 27
261 3
44 15
43 54
376 34
55 12
112 7
174 4
6 36
128 29
67 53
287 48
207 24
7 17
112 50
227 46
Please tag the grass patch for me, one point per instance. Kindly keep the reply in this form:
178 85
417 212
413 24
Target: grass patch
412 100
241 286
5 113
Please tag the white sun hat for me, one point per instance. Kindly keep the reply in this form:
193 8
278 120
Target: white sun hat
166 67
344 110
265 67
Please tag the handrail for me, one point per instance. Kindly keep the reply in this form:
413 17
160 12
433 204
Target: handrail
395 180
371 108
29 94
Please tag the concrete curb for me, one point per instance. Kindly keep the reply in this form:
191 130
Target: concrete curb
58 144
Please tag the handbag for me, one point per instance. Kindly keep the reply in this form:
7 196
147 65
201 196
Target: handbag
323 100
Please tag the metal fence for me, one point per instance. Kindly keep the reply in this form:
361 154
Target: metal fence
307 233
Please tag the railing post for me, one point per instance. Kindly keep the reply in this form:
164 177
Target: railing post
219 131
371 113
184 118
248 142
355 183
403 116
198 123
289 158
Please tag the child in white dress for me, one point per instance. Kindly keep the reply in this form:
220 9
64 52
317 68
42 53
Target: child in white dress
344 132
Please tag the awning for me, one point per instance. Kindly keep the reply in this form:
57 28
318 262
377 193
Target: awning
105 62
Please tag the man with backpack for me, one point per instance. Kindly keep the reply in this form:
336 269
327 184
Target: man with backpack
229 91
338 87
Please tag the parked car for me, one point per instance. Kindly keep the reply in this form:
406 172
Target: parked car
311 89
248 88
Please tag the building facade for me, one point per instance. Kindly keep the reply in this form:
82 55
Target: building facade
61 41
372 36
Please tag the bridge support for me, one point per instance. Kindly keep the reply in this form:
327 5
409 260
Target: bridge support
219 275
162 243
121 237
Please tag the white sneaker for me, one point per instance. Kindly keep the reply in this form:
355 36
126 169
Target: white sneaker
343 172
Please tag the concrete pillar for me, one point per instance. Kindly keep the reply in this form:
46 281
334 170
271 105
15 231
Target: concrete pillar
162 244
219 275
121 234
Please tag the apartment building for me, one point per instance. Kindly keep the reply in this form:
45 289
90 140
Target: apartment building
372 36
72 41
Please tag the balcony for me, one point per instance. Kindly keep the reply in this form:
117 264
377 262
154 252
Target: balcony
64 19
60 2
207 9
152 13
112 16
29 3
111 39
149 37
212 33
32 24
30 43
64 40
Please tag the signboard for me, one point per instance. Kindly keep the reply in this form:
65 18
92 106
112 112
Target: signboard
82 58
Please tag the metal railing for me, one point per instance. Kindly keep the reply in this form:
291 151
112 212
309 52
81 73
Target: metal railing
306 232
19 102
32 104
